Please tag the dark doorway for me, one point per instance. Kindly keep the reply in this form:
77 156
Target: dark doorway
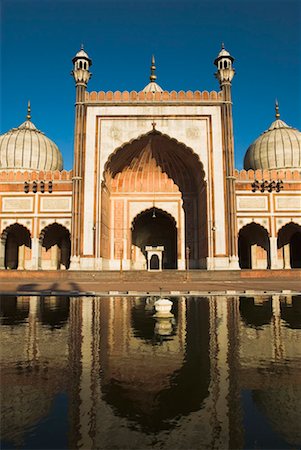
154 228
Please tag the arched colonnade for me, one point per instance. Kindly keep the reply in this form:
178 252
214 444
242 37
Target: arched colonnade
258 250
17 248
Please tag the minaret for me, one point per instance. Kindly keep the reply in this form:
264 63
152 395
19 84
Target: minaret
225 74
81 75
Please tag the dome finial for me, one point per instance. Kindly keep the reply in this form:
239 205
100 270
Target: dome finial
223 46
82 46
153 77
28 117
277 114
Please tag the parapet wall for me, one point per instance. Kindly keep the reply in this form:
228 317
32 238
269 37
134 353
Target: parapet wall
164 96
22 176
251 175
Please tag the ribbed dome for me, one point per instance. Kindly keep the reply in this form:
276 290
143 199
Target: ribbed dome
28 148
279 147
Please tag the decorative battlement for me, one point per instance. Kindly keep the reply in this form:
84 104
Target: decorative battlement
47 175
251 175
165 96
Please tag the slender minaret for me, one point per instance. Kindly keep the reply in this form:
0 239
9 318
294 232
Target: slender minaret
81 75
224 74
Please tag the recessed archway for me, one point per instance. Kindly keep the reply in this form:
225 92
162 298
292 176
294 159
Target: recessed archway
55 247
154 169
254 247
289 245
15 246
154 227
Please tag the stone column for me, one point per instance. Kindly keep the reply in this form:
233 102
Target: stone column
21 257
35 253
274 253
254 256
286 256
2 253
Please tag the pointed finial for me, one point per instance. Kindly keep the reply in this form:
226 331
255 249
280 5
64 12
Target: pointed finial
28 117
223 46
82 46
153 77
277 114
154 125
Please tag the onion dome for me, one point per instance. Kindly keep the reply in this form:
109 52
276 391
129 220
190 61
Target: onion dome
279 147
27 148
153 86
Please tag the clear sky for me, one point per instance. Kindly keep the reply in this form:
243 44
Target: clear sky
39 39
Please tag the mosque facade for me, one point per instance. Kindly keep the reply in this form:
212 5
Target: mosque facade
153 184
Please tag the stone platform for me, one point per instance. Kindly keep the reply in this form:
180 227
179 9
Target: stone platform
168 282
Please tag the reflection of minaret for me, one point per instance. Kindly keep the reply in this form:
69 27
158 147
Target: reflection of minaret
31 344
277 337
236 438
75 339
85 392
219 368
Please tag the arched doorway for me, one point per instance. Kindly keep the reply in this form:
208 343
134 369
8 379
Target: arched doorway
15 247
254 247
55 247
289 245
153 171
154 227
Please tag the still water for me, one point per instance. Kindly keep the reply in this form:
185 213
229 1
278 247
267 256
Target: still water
103 373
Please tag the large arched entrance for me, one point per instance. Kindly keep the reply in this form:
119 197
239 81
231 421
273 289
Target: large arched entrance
55 247
154 227
289 245
15 247
254 247
153 173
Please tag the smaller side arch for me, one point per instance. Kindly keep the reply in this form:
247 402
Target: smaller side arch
54 247
289 245
15 247
254 247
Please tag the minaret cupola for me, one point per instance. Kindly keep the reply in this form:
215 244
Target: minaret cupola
81 66
225 71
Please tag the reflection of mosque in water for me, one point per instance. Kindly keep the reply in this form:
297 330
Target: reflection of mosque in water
131 378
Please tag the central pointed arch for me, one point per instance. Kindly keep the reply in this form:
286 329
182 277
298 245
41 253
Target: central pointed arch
154 227
154 170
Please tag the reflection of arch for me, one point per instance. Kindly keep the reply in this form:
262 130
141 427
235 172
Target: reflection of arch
154 227
56 238
54 311
155 164
14 241
13 310
155 405
254 247
255 315
289 244
291 313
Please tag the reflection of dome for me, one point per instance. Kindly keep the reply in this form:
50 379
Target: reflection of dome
28 148
282 407
279 147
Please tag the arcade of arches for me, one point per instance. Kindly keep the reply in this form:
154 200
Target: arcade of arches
53 250
254 249
153 194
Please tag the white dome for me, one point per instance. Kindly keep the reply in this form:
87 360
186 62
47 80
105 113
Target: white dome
27 148
279 147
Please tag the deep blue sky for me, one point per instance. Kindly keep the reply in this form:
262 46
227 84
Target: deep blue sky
39 39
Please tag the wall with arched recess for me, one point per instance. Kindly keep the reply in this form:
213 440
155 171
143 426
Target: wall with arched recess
111 123
153 170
